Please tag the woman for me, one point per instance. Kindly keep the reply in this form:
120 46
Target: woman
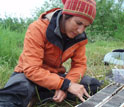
55 37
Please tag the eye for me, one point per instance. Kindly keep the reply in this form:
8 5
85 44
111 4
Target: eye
79 23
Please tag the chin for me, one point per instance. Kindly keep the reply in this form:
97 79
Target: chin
70 36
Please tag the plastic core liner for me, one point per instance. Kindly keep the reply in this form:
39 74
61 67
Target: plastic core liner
118 75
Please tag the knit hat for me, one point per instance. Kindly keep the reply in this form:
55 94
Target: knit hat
82 8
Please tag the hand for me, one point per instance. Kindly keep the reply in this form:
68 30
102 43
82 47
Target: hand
59 96
78 90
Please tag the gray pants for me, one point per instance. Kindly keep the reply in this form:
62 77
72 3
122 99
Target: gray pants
18 91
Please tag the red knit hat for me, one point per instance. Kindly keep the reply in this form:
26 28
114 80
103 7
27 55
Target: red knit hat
82 8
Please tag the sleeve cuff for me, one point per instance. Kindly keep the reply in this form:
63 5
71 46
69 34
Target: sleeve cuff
65 85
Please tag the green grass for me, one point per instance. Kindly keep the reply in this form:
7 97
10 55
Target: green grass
95 53
5 73
119 33
11 44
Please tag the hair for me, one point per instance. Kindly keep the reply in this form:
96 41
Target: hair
67 16
64 18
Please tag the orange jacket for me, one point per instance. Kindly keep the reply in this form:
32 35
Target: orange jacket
42 56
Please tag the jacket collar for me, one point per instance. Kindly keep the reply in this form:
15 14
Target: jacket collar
57 29
53 31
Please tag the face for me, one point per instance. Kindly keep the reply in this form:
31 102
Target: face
75 26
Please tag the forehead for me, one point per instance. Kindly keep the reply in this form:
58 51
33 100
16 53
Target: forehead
81 20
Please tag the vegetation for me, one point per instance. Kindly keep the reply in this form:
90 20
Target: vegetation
105 35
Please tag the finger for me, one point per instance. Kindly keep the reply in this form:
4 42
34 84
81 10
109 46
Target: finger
64 96
86 93
61 97
81 98
55 97
56 93
58 97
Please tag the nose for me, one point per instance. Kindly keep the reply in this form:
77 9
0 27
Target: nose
81 29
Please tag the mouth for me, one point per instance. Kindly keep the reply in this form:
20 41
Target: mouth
74 34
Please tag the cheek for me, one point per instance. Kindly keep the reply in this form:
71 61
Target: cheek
67 27
70 27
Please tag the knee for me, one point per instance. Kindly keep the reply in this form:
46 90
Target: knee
29 86
92 85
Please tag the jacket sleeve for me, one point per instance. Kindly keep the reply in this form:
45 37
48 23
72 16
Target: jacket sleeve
33 55
78 65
